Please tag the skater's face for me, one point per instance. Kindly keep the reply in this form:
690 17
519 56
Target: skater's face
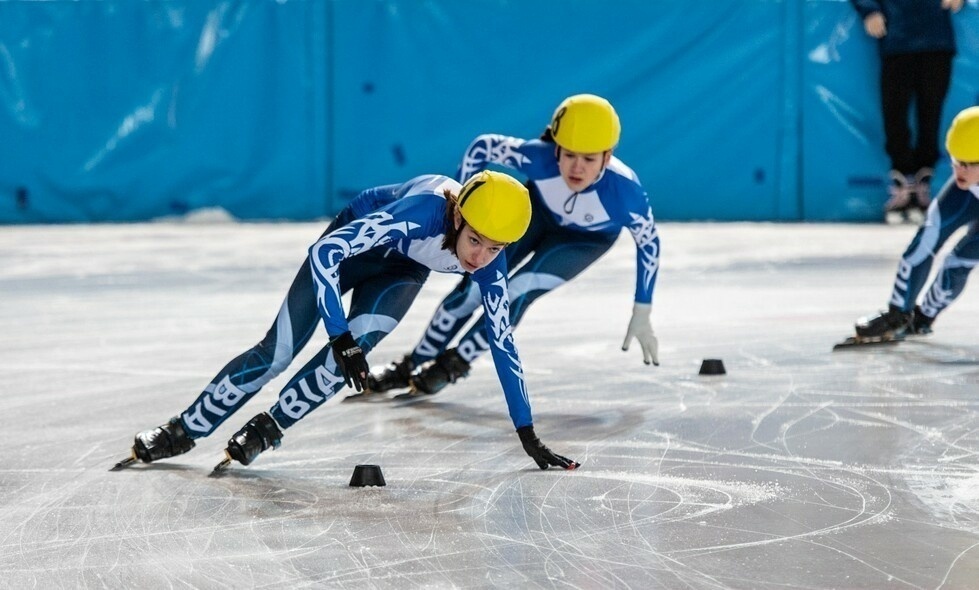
580 171
473 249
966 173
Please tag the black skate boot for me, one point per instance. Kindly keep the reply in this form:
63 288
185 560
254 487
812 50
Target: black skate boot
887 325
396 375
162 442
920 324
434 375
260 434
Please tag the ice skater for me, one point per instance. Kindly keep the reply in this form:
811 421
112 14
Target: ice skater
582 197
956 205
381 247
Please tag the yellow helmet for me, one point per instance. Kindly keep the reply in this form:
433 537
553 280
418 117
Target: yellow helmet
495 205
586 124
962 140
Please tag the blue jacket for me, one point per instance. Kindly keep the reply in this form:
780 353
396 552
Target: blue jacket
913 26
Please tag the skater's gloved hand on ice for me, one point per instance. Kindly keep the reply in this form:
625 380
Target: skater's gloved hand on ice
875 25
542 455
642 330
351 361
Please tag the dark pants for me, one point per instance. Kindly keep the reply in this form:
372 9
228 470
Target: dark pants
923 78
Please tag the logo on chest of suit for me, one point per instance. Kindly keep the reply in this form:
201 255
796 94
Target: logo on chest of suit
569 208
577 208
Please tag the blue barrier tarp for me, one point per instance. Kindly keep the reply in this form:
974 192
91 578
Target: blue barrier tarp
731 109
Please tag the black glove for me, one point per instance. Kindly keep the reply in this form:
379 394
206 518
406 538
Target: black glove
351 361
541 454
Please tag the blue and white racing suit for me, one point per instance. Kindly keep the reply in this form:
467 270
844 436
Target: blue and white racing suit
952 209
568 232
381 247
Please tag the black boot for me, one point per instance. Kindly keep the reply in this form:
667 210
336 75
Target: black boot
162 442
436 374
397 375
920 324
885 325
260 434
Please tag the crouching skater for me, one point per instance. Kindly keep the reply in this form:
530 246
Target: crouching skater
381 247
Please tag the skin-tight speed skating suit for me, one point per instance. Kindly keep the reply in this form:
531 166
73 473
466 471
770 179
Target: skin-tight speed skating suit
952 209
381 247
568 232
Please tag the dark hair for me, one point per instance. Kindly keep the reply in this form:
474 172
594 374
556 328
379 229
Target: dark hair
547 135
451 231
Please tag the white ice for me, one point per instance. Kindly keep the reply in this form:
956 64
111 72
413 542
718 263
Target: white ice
800 468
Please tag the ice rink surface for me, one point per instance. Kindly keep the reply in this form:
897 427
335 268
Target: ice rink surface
800 468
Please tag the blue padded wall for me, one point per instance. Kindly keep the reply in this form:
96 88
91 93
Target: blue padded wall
732 109
842 156
124 110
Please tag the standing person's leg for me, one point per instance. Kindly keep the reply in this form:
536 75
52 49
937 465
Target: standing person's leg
897 88
561 256
933 74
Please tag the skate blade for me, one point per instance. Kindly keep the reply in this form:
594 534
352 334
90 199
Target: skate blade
222 466
356 397
854 341
366 396
125 462
412 395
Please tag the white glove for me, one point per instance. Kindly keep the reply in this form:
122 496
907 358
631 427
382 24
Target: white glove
642 330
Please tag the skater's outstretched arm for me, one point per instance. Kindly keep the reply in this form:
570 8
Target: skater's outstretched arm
492 282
